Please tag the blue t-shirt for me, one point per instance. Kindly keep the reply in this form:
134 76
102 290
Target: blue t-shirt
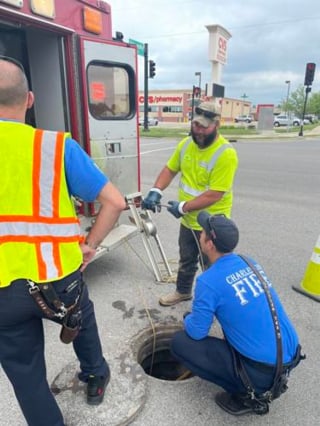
85 180
231 292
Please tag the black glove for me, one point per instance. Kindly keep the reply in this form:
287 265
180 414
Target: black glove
152 200
176 208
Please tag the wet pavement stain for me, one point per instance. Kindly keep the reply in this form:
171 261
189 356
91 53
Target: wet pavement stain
75 385
154 313
121 305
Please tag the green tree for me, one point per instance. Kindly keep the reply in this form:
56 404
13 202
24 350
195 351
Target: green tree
314 104
296 100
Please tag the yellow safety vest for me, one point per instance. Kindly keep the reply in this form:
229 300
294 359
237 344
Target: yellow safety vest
203 169
39 229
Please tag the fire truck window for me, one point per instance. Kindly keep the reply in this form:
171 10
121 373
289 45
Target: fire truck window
109 96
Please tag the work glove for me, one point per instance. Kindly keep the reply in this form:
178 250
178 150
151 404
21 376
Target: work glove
176 208
152 200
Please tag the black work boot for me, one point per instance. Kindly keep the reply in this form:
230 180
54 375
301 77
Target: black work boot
239 404
96 388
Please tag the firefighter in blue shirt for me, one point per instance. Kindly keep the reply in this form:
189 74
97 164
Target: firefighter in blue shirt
230 291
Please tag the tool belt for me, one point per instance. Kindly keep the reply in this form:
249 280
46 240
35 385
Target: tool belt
281 374
48 301
280 383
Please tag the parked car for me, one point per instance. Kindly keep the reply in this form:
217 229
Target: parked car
151 121
312 118
243 119
284 120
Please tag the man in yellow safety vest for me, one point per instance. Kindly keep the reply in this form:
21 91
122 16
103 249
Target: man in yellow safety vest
42 251
207 164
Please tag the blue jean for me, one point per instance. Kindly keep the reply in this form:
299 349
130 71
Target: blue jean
22 347
189 257
212 360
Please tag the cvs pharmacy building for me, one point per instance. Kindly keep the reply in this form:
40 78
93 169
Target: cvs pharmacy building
169 105
175 106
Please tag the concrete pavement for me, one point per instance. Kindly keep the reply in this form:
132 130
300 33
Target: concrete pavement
277 209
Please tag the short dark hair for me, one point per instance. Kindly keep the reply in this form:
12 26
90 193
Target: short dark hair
13 85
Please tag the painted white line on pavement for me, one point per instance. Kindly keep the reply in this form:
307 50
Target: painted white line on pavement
155 150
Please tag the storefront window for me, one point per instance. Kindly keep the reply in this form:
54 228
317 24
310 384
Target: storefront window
173 108
150 108
111 91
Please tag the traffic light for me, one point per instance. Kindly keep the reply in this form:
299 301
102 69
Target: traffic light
310 69
152 69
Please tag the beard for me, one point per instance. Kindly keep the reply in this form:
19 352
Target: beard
204 142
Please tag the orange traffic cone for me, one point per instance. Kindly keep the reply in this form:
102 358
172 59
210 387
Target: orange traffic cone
310 284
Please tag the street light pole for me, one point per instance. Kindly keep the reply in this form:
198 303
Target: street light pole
198 74
288 93
288 82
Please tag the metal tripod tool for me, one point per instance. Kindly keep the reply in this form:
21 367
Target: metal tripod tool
148 229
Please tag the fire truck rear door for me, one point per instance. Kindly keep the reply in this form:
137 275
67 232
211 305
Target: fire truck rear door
109 70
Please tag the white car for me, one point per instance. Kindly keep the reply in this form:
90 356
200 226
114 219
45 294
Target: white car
151 121
284 120
243 119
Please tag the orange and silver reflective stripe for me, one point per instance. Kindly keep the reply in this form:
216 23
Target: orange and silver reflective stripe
28 229
45 229
47 161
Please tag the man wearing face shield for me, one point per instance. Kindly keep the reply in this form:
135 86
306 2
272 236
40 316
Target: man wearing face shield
207 164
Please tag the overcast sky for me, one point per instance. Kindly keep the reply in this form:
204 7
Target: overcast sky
271 42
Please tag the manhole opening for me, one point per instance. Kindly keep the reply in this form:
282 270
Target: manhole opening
155 357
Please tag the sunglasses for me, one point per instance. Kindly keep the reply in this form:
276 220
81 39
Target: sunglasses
12 61
207 114
211 225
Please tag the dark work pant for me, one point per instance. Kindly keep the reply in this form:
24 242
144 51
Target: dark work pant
22 348
211 359
189 252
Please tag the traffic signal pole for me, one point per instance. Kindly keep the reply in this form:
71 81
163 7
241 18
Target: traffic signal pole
146 89
308 90
308 79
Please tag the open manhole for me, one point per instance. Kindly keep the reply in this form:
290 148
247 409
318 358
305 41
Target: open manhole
152 349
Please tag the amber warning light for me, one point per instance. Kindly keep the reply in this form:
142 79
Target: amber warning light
92 20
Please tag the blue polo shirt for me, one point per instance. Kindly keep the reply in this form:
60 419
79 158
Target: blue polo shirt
85 180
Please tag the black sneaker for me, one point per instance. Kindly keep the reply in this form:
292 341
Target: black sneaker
96 388
238 405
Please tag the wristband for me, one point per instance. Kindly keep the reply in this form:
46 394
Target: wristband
180 208
157 190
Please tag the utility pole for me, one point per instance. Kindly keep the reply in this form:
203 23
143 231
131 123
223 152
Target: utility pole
192 103
146 94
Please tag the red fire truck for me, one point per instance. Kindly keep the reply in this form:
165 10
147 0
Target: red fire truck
84 80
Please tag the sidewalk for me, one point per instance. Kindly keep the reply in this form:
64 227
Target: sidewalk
265 134
275 134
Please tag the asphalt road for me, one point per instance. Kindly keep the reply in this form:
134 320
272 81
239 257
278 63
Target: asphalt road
276 206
